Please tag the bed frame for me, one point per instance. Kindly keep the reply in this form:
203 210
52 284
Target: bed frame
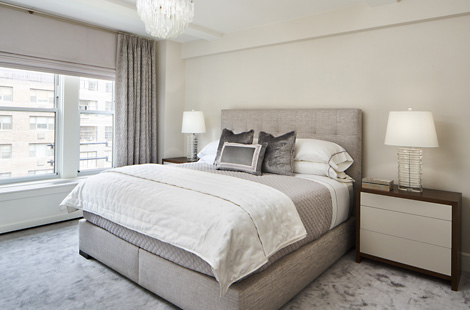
273 287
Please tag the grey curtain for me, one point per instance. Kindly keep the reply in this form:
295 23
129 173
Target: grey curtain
136 101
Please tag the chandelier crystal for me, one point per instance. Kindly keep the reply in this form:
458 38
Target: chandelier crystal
165 19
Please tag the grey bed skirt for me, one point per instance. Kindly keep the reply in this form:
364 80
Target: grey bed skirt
187 289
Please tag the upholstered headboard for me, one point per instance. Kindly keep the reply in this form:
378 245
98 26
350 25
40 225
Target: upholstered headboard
342 126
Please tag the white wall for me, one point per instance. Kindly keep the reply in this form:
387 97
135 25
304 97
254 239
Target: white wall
170 68
422 62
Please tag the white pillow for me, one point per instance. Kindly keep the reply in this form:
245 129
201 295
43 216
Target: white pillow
322 169
320 151
210 149
207 159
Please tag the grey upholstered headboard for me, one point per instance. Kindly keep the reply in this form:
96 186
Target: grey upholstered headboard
342 126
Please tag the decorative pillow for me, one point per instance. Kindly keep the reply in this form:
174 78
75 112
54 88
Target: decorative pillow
242 157
320 151
279 157
322 169
228 136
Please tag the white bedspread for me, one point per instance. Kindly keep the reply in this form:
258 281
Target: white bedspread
235 225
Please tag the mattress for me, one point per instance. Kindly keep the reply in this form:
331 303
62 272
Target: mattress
322 204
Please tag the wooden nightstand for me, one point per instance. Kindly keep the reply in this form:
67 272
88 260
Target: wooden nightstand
176 160
417 231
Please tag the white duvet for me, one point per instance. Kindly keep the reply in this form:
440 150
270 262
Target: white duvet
233 224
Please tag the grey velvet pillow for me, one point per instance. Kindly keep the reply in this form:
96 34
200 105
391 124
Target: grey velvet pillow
242 157
279 156
228 136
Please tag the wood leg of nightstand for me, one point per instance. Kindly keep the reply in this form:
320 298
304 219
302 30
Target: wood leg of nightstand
455 284
358 257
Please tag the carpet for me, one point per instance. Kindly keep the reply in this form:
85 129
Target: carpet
40 268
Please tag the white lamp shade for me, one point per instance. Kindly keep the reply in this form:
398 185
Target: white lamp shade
193 122
411 129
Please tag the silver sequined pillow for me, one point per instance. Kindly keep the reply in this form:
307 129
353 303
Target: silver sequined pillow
228 136
279 156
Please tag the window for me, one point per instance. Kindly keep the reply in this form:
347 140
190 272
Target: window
5 175
32 108
39 103
6 93
88 105
96 125
108 133
108 106
87 134
42 96
5 151
41 150
109 87
88 84
40 171
41 123
5 122
88 160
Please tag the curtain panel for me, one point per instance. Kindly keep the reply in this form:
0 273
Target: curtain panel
136 101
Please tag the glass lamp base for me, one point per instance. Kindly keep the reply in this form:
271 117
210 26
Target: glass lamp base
191 147
409 169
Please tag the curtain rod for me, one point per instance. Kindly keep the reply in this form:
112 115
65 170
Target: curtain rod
68 20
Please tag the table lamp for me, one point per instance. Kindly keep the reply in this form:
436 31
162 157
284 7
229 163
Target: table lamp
410 130
193 123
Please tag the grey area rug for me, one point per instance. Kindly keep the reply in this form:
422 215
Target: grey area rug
40 269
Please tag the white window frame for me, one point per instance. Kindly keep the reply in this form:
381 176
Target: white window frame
54 110
67 130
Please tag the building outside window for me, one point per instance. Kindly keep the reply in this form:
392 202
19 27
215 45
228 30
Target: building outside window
40 171
109 106
41 150
41 123
6 93
5 175
88 105
96 125
5 122
87 134
5 151
88 160
108 133
109 87
32 108
88 84
42 96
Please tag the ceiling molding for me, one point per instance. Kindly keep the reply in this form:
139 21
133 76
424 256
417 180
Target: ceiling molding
203 33
124 4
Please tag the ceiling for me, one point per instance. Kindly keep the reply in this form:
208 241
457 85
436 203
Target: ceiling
212 18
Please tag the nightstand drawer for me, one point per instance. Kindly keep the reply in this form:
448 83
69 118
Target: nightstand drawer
409 226
409 252
416 207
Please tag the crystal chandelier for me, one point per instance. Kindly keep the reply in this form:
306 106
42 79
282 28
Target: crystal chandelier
165 19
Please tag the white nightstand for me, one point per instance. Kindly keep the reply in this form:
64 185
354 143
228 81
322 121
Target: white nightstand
417 231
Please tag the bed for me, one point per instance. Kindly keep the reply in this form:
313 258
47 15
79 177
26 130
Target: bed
270 288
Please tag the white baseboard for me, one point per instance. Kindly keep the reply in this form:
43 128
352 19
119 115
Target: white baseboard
465 262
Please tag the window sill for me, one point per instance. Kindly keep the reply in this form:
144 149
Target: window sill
39 185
